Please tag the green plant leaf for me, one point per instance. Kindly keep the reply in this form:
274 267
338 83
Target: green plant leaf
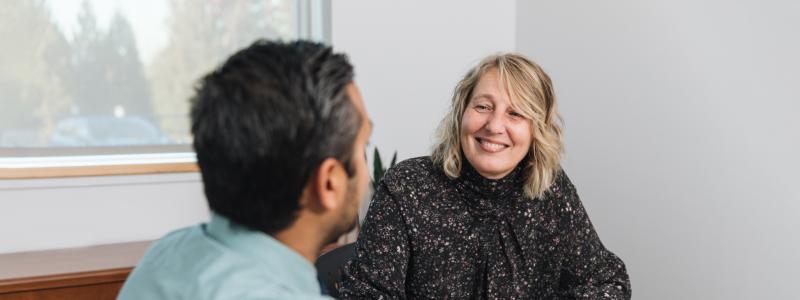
394 160
377 169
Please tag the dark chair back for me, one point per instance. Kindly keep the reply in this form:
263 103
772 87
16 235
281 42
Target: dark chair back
329 268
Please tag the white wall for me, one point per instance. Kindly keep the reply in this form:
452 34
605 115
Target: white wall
410 54
682 136
73 212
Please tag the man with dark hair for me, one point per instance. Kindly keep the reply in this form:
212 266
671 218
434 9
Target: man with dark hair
279 132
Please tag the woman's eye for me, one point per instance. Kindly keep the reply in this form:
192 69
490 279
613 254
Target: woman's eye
515 114
481 108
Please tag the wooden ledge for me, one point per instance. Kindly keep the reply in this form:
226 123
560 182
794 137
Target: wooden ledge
64 280
29 271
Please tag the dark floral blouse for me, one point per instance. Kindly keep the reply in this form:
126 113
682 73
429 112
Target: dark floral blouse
428 236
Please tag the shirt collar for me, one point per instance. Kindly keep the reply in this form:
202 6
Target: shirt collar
297 271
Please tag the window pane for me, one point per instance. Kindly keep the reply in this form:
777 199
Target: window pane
98 74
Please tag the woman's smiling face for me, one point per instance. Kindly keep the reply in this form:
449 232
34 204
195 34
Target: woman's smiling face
494 137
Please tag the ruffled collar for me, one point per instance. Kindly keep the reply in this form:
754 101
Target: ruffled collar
488 197
491 188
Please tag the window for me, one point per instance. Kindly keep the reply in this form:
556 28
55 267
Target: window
90 81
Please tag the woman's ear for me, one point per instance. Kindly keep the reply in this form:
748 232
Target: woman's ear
329 185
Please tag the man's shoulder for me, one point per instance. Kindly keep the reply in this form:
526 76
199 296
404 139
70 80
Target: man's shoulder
216 281
240 284
190 264
187 262
177 247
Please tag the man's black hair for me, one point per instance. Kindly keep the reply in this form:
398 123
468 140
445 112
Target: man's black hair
262 124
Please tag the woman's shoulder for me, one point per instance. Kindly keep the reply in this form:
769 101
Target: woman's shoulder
563 196
413 172
561 183
410 169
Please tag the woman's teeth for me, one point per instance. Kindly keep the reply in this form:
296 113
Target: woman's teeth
492 147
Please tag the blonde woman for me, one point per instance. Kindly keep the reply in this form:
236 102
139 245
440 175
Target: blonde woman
490 214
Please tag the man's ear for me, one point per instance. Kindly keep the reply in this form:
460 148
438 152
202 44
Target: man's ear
329 184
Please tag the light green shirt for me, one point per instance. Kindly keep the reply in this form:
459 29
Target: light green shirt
221 260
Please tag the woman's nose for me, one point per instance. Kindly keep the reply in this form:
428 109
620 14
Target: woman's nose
495 124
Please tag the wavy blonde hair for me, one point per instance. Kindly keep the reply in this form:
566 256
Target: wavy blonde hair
532 96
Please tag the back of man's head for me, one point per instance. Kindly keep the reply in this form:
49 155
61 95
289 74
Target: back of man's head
264 121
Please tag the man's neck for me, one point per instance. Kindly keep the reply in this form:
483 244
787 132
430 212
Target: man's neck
302 240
